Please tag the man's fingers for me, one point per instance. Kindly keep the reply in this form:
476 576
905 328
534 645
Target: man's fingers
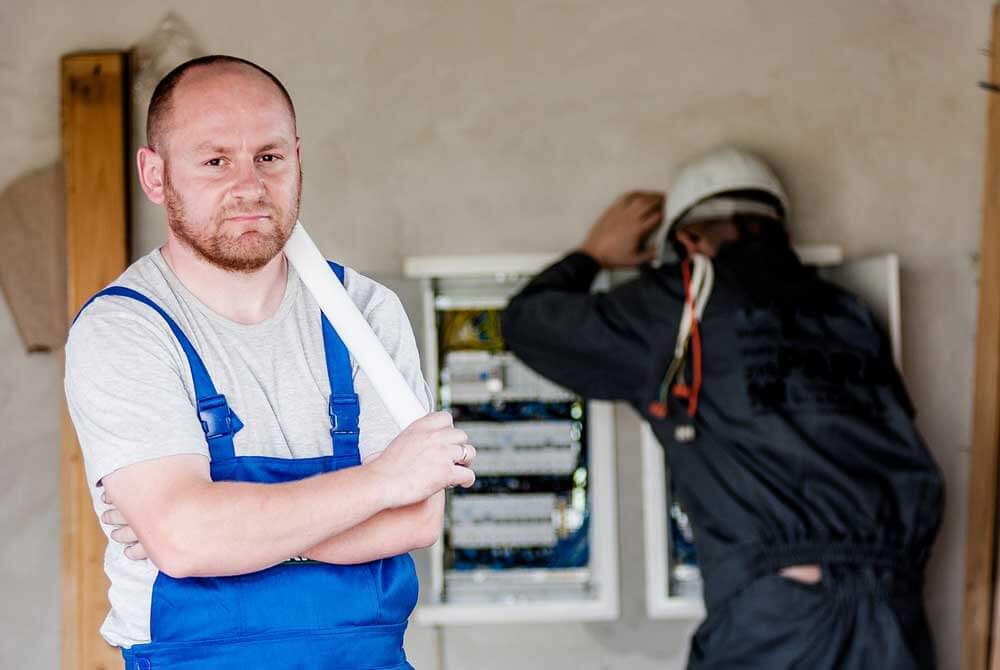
626 199
631 196
463 476
644 200
125 535
436 421
466 454
136 552
114 518
430 423
652 220
452 436
646 255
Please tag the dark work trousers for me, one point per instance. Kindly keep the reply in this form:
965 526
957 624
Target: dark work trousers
856 618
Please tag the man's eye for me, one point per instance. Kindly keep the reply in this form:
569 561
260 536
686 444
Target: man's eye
269 158
214 162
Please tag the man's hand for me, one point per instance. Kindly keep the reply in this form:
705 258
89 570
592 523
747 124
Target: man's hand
428 456
618 238
122 533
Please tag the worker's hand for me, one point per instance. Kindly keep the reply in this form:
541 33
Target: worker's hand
427 457
122 533
618 238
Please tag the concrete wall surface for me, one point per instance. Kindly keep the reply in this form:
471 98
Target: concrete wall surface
453 127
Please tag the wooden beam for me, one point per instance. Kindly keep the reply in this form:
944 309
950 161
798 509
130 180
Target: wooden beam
95 116
980 546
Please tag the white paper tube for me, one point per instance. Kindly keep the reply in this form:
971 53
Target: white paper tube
352 327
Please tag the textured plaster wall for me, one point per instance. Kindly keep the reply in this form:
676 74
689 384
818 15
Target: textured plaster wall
471 127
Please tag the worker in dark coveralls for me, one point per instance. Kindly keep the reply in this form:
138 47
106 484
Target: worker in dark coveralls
788 432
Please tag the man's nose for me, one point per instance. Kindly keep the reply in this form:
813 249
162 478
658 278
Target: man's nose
248 181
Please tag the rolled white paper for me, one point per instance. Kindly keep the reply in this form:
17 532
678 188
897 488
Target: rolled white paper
352 327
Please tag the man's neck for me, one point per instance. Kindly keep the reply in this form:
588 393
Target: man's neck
243 297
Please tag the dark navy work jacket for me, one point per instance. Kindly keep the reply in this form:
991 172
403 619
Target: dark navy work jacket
806 449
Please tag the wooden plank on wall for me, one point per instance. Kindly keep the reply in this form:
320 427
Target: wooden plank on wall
94 144
980 548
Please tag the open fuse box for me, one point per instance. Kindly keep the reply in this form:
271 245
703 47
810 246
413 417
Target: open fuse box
535 539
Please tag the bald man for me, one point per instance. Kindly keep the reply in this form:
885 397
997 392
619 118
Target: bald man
258 500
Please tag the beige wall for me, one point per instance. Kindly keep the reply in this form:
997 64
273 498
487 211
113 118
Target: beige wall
449 127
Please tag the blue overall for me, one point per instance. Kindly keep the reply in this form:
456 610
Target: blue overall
299 614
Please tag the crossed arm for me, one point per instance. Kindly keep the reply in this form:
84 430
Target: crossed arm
189 525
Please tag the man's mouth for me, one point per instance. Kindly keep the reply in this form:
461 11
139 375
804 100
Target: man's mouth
247 218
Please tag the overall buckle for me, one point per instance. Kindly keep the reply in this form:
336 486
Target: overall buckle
344 413
216 417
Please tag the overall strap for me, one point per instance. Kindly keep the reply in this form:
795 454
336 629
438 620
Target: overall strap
218 421
345 409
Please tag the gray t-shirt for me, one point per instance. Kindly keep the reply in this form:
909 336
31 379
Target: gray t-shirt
131 397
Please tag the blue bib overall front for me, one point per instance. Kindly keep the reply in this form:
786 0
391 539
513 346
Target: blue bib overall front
299 614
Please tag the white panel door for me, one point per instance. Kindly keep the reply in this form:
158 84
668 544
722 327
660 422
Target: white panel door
410 293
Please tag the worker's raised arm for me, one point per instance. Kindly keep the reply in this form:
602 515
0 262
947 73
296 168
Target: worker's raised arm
591 343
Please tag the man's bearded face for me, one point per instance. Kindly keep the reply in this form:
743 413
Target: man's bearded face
240 236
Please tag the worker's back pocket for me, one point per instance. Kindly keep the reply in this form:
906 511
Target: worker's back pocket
742 631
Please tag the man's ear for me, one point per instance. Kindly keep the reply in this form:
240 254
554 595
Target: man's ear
151 167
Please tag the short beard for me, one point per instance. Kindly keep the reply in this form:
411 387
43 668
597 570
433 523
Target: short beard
224 252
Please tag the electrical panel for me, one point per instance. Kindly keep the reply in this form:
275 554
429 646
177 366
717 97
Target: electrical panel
535 538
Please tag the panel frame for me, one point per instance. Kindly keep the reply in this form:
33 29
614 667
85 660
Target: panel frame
605 606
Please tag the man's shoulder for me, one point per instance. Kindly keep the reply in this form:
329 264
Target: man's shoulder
369 295
144 276
118 317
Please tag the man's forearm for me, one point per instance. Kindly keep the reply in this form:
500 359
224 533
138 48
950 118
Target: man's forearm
192 526
582 341
388 533
230 528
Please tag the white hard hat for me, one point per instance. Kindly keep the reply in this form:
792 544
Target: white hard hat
722 170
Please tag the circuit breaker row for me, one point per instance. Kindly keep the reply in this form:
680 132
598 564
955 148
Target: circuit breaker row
485 376
527 448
